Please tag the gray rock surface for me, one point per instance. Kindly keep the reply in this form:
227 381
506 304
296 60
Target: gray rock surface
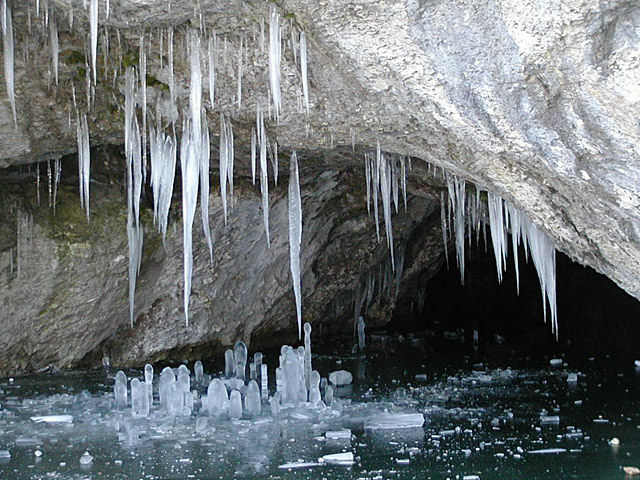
536 101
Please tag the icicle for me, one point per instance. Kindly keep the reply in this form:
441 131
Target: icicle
443 220
143 87
190 170
55 47
93 20
264 185
295 234
385 190
204 184
195 92
239 87
498 236
274 60
172 84
375 174
403 172
108 9
7 37
303 69
163 167
84 162
224 165
38 182
516 232
212 69
457 199
274 162
367 175
253 155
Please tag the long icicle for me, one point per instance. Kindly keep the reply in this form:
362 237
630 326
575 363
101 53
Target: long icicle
84 162
55 47
93 24
274 60
264 183
295 234
303 69
204 184
7 37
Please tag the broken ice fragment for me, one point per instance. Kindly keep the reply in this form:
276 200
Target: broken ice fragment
338 435
296 465
86 459
345 458
53 419
340 377
392 421
555 362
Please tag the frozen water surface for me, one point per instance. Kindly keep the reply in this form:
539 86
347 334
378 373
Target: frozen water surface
484 418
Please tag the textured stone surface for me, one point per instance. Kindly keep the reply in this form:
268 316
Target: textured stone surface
535 100
69 299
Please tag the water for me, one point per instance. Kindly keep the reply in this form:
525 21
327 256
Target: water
482 417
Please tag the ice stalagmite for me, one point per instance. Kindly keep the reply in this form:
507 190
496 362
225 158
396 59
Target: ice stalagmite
205 154
93 21
55 47
8 53
84 162
295 234
303 69
274 60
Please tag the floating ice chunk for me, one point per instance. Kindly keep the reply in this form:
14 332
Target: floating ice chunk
549 419
28 442
345 458
631 471
340 377
235 405
556 362
547 451
86 459
296 465
471 477
5 454
393 421
53 419
572 378
637 363
338 435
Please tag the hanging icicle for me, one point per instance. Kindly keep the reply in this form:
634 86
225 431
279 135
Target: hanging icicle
55 47
295 234
7 38
303 69
274 60
93 24
84 162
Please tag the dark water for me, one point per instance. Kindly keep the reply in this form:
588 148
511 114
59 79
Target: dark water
482 410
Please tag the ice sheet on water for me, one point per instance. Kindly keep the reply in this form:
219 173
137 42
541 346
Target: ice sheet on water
53 419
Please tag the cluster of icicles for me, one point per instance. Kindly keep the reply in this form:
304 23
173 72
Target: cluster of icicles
461 215
194 151
385 174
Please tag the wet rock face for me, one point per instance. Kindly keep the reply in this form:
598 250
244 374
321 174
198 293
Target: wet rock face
536 101
64 287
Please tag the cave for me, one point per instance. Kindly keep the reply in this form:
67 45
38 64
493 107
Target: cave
342 239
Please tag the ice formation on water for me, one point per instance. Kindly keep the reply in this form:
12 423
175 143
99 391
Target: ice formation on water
120 390
274 60
84 162
295 234
8 53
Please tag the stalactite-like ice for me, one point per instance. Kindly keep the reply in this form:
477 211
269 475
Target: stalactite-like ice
457 199
93 21
205 154
143 102
211 55
498 233
274 60
163 167
84 162
385 190
303 69
264 183
8 53
55 47
295 234
253 155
